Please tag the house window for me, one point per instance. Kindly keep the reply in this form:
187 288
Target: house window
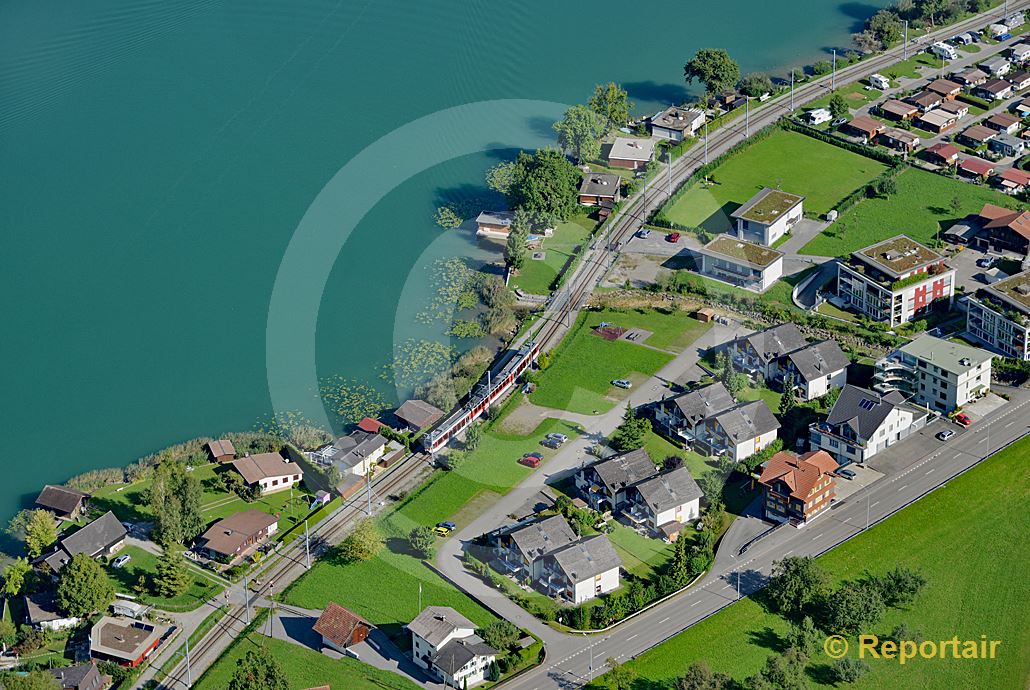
275 482
834 443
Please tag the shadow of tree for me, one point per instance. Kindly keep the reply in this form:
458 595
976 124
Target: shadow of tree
672 94
767 638
820 673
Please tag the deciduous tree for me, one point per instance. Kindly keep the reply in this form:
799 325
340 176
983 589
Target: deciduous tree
611 103
620 677
83 587
258 670
40 532
501 635
756 84
579 133
796 582
714 68
363 543
14 576
174 499
700 677
839 106
852 608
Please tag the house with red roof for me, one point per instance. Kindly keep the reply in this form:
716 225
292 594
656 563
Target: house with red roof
976 167
341 628
370 425
1004 229
797 488
1013 181
943 153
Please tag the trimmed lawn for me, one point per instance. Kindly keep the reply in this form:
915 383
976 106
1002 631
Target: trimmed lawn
921 208
828 309
641 555
856 94
145 563
304 668
537 276
670 330
824 174
968 538
659 448
771 397
274 503
127 500
907 68
583 367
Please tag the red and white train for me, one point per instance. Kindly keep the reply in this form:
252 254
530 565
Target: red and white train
490 389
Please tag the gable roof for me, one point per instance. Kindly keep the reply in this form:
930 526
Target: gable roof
977 166
863 410
944 150
1015 176
774 342
418 413
747 420
229 534
998 217
41 607
620 471
668 490
821 359
260 466
78 677
350 451
454 655
220 448
800 475
96 536
703 402
867 125
337 624
896 107
370 425
542 537
60 499
945 87
586 558
435 623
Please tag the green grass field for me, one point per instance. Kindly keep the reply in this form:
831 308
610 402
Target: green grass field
924 205
969 538
856 94
670 330
822 173
145 563
304 668
537 276
127 500
584 365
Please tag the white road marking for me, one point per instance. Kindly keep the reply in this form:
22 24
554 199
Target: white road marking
631 637
1010 424
663 620
696 602
930 470
902 488
873 505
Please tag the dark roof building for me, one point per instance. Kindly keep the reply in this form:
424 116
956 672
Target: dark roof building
668 490
125 641
701 403
221 450
418 414
78 677
341 628
622 470
62 501
586 558
41 612
539 538
101 537
229 536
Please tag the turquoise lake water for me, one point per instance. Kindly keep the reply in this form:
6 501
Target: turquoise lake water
163 163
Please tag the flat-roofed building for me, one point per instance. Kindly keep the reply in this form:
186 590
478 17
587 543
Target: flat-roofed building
940 374
741 263
999 316
632 154
676 123
768 216
599 187
125 641
895 281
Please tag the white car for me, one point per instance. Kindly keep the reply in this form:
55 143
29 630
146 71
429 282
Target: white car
121 561
622 383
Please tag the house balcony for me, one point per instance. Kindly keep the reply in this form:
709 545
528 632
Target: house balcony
826 430
637 514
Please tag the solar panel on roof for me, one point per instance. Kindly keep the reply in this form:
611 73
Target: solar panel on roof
867 404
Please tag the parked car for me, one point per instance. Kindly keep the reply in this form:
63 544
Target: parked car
643 233
441 531
447 525
847 474
122 561
622 383
550 443
839 121
673 237
986 261
560 438
945 435
963 419
530 461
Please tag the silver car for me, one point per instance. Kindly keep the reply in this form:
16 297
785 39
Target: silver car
622 383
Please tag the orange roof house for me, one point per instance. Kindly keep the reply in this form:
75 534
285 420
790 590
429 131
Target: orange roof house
798 488
341 628
1004 229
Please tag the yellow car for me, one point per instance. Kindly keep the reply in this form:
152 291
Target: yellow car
442 531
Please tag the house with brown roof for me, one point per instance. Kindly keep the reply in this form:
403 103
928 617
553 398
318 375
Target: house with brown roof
124 641
1020 80
937 120
943 153
925 100
956 108
102 537
976 167
494 224
946 88
971 76
220 451
865 127
78 677
418 414
977 135
898 110
899 139
341 628
270 472
230 537
1004 229
599 187
993 90
1003 122
63 502
1013 180
798 489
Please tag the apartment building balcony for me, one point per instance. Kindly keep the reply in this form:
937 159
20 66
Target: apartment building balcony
826 430
638 515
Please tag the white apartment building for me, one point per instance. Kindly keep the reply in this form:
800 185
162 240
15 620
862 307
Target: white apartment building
939 374
999 316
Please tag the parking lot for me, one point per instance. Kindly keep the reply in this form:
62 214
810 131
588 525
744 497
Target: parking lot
864 476
656 244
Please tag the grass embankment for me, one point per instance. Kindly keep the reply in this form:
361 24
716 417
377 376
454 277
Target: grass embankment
924 205
822 173
536 277
970 539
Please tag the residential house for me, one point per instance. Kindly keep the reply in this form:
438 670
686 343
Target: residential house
1013 181
341 628
1019 79
899 139
956 108
925 100
864 127
597 188
520 550
270 472
664 503
102 537
977 135
416 415
898 110
353 454
996 66
41 613
445 643
1023 108
582 570
1020 53
220 451
729 100
937 121
632 154
937 373
78 677
814 369
976 167
682 416
945 88
232 536
65 503
740 262
943 153
768 216
970 76
895 281
676 123
759 353
1003 122
863 422
740 431
124 641
1003 229
1007 145
999 316
993 90
797 489
494 224
603 484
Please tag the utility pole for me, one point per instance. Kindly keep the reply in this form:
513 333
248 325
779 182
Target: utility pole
792 91
246 598
307 545
738 582
747 116
706 140
420 597
668 153
906 40
833 72
189 673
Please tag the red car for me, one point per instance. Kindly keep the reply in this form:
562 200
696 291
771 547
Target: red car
673 237
963 419
530 461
